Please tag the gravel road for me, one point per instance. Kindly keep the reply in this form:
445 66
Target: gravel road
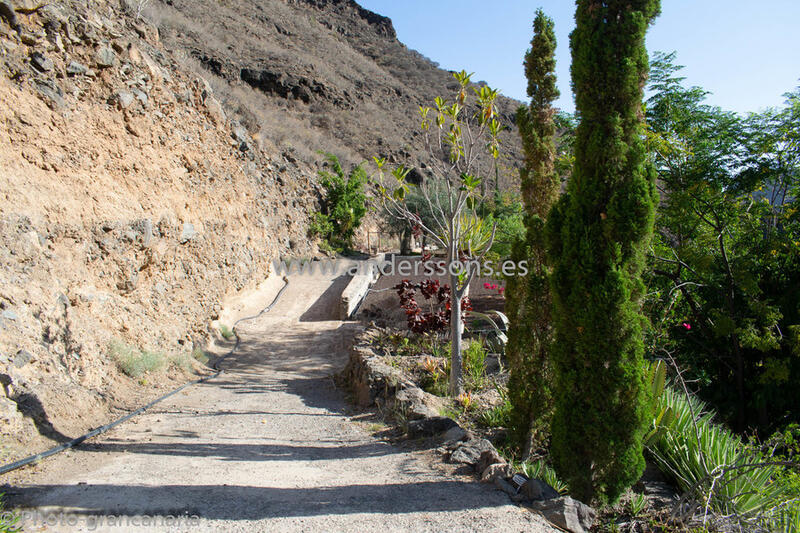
267 446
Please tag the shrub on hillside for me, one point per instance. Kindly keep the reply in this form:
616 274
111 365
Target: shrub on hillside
344 206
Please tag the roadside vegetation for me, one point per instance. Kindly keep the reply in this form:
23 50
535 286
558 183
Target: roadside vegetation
137 363
9 521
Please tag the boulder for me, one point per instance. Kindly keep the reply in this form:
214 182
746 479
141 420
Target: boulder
566 513
497 471
536 489
469 453
488 458
412 401
430 427
456 434
501 483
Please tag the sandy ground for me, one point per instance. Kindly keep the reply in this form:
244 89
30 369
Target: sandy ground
267 446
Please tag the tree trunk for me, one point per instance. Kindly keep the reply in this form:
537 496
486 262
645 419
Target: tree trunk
456 326
405 242
456 330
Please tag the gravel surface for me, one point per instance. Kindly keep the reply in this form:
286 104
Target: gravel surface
267 446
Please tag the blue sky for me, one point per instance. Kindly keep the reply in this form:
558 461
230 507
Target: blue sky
746 53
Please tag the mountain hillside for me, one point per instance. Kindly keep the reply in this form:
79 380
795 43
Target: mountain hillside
308 75
154 156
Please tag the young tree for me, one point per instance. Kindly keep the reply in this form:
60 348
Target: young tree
725 268
528 301
455 134
597 236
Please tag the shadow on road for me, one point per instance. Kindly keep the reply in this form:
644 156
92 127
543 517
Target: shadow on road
221 502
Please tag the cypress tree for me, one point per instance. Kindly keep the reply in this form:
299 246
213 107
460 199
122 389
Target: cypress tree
528 297
597 235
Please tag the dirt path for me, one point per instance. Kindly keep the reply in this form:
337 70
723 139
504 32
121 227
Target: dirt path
267 446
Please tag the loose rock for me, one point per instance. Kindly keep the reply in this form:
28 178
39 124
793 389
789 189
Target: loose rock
51 93
124 99
105 57
7 13
495 471
41 63
76 69
536 489
488 458
29 6
22 358
187 233
567 513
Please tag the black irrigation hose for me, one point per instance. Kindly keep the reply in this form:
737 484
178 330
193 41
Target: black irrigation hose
74 442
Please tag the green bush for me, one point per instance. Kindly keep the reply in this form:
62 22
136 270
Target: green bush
539 469
498 416
725 264
320 226
344 206
199 355
435 372
133 361
226 332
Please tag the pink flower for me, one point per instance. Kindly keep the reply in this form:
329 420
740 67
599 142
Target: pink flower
687 326
487 285
501 290
493 287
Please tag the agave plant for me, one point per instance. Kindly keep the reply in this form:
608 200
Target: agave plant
709 462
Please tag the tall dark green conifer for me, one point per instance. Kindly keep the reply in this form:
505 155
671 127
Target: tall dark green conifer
597 236
528 297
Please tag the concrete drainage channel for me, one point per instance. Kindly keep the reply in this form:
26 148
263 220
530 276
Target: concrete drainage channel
374 383
99 431
355 292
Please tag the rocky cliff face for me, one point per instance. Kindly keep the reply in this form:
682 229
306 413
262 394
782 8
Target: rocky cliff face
154 157
130 208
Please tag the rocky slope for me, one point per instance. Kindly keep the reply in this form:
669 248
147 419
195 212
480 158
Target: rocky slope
154 156
307 75
129 210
